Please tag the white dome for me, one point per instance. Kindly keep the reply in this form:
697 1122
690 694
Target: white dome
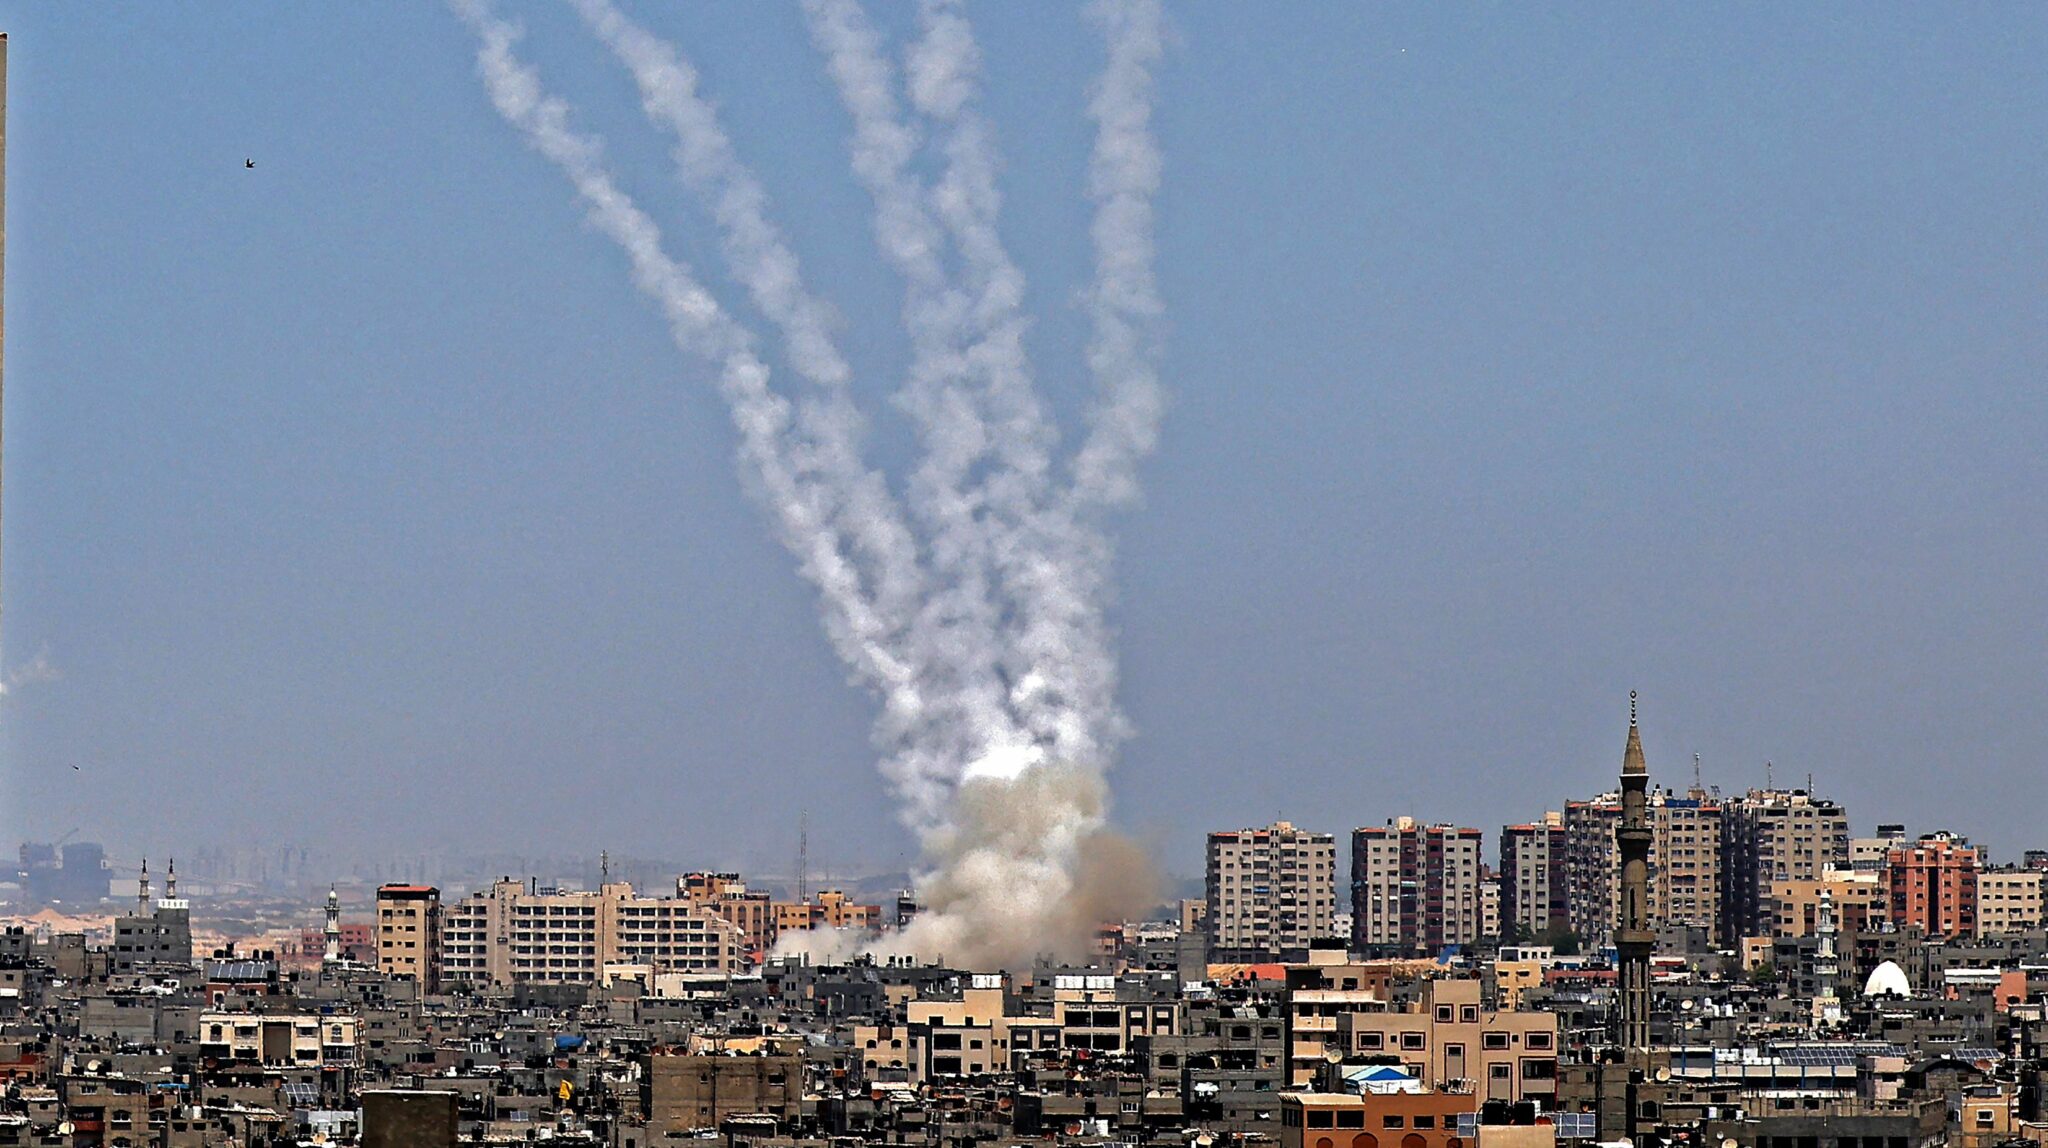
1887 979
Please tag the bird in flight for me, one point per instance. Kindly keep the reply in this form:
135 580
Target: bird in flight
248 163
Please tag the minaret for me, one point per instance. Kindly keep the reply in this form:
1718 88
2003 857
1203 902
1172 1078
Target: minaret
171 881
331 955
1633 940
1826 968
142 891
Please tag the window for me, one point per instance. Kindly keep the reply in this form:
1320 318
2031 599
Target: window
1392 1120
1493 1040
1320 1118
1351 1118
1411 1040
1539 1040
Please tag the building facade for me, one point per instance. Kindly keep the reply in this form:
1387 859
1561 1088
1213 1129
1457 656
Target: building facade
408 928
1534 893
1861 902
1684 865
1933 885
726 895
2008 901
1414 887
513 932
1270 890
1772 835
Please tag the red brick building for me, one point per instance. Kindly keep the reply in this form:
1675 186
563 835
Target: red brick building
1934 885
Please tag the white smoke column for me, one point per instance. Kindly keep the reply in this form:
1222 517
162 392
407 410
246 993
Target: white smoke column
989 883
965 615
998 717
803 506
1123 176
1052 567
962 710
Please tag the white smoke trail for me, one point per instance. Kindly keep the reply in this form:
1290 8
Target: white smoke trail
1053 566
964 713
1123 177
801 498
993 662
967 520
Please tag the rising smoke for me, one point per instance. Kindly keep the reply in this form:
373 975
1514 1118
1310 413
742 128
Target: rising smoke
974 607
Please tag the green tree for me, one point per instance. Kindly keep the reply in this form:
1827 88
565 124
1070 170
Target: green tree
1561 939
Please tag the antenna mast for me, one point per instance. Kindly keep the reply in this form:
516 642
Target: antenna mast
803 856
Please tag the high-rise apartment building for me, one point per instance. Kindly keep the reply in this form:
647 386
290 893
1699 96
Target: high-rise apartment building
1270 890
512 932
408 932
1534 892
1414 887
1934 885
1770 835
1684 866
2008 901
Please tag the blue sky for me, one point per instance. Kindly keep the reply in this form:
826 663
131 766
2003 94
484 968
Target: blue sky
1518 359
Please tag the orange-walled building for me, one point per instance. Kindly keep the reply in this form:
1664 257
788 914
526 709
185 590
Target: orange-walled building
1934 885
1374 1120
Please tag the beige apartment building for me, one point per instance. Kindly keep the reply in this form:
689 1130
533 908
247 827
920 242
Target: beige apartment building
1771 835
1685 863
1414 887
965 1037
2008 901
831 909
726 895
303 1040
514 932
408 933
1533 891
1792 907
1449 1041
1270 890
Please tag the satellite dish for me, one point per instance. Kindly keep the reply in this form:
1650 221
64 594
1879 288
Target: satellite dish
65 1129
1688 1004
1663 1076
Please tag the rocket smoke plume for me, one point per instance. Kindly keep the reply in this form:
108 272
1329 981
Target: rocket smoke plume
972 603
